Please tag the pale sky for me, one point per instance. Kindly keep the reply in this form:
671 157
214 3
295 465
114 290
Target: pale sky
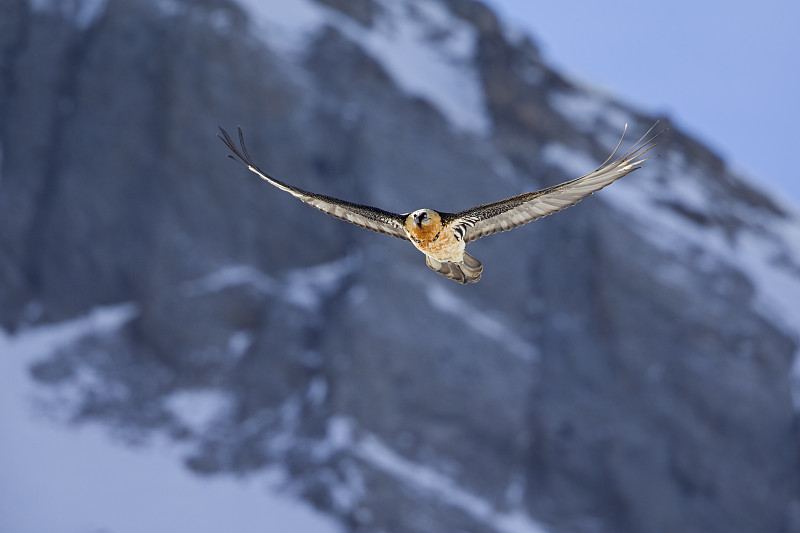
728 73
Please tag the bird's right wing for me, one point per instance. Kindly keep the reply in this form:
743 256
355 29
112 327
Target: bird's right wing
518 210
365 216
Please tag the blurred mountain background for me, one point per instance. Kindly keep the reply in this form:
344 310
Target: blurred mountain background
626 366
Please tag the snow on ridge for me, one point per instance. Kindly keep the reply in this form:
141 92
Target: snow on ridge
344 435
287 27
305 288
429 52
58 478
229 276
44 339
33 343
587 109
488 326
308 287
766 248
426 50
687 190
376 453
573 162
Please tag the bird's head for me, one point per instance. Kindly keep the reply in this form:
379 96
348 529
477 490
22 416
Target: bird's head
423 224
422 217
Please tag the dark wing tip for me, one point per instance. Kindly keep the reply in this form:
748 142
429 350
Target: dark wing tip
244 147
240 156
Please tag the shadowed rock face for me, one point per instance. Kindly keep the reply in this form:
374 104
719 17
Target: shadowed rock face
575 382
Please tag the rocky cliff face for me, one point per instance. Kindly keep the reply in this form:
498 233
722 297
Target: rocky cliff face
622 367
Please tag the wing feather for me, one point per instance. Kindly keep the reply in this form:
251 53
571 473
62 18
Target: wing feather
365 216
518 210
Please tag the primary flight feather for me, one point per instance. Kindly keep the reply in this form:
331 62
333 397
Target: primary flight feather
443 237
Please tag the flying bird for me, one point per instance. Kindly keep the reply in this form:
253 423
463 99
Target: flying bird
443 237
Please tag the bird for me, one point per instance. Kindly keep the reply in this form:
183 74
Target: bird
443 237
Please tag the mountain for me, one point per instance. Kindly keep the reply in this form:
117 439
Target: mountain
625 366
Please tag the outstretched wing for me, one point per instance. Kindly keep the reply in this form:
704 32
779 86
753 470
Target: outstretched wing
365 216
518 210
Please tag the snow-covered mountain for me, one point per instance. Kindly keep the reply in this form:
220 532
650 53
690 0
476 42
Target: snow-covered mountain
626 366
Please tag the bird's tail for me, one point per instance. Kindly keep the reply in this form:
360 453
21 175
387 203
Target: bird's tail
468 270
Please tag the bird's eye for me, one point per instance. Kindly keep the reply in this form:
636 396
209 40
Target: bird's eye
423 216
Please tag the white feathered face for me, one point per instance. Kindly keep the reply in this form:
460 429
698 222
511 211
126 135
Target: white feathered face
422 217
423 225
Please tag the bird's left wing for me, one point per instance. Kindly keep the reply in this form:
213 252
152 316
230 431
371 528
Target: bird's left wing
518 210
365 216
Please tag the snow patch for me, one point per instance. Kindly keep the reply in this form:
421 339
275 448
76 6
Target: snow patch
689 190
429 53
485 324
573 162
44 340
305 288
287 27
57 478
40 341
34 343
777 288
588 109
426 50
341 436
373 451
340 431
230 276
239 342
197 409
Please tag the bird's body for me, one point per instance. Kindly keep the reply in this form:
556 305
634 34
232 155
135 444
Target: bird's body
443 237
424 229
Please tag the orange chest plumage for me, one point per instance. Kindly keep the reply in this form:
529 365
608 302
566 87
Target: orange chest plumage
444 247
